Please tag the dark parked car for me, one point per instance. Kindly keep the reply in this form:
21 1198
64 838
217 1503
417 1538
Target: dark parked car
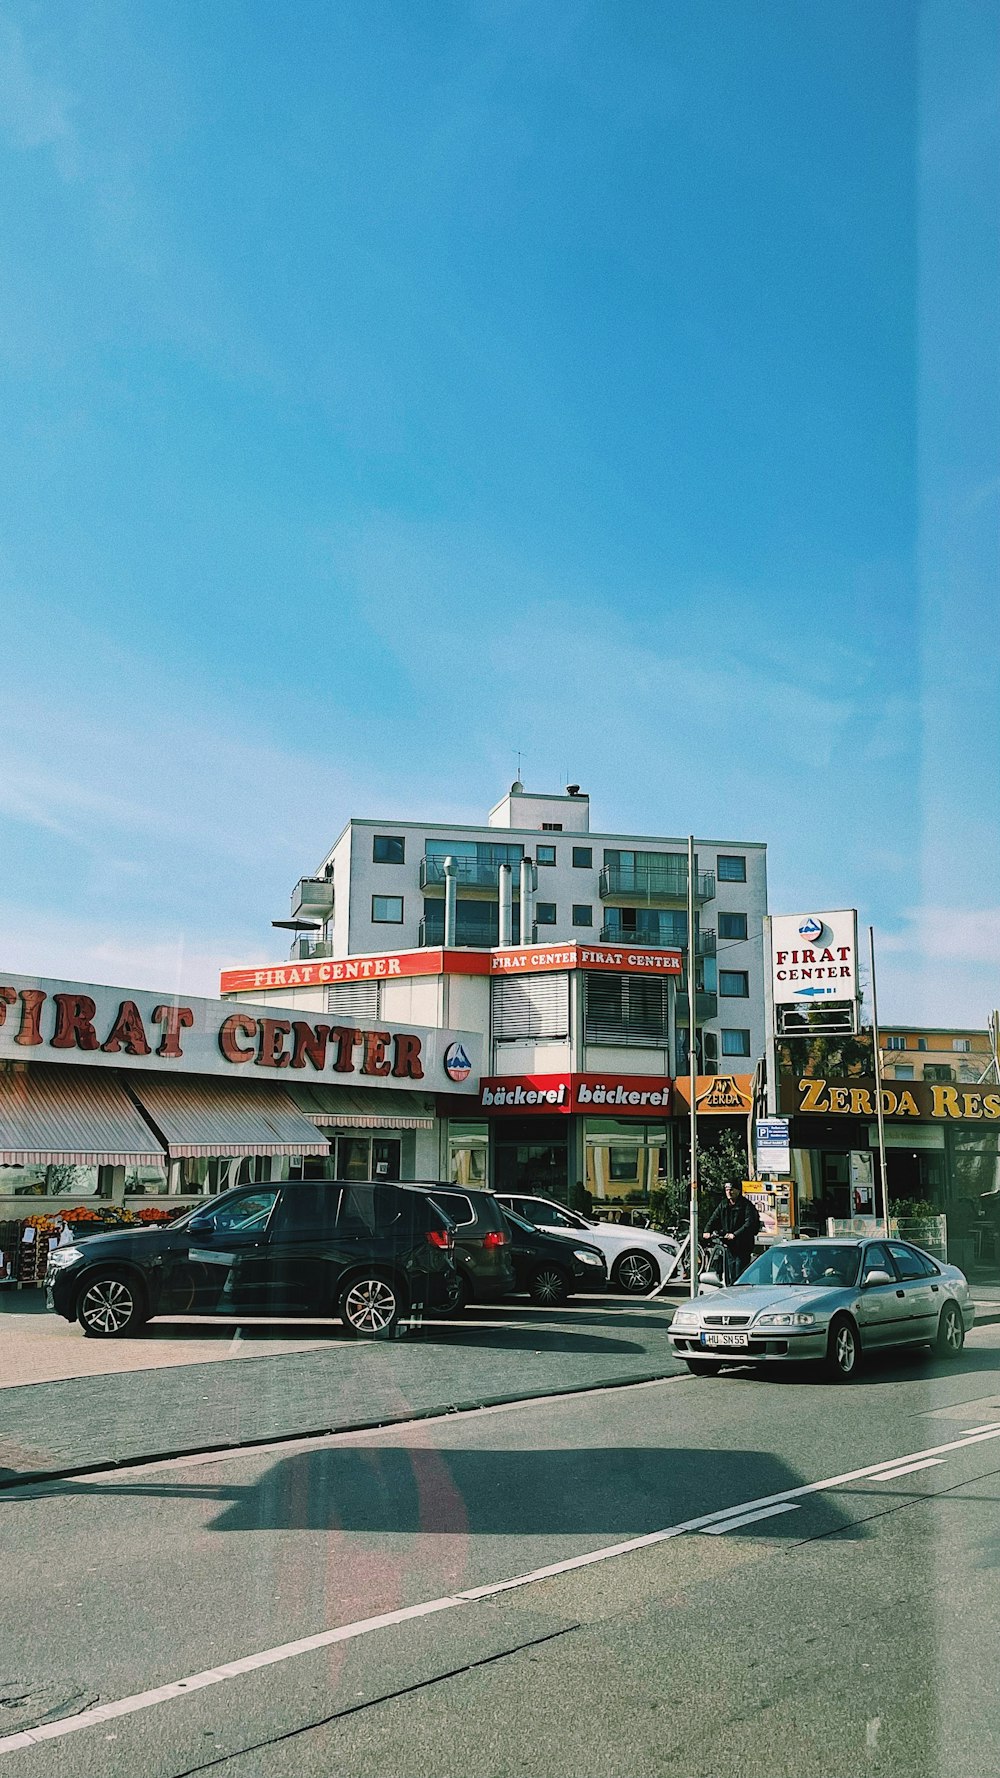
363 1252
482 1241
547 1267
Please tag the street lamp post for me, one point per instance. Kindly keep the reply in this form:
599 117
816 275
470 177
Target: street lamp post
878 1087
693 1267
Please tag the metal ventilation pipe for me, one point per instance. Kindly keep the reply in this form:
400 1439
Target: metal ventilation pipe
506 881
450 902
527 900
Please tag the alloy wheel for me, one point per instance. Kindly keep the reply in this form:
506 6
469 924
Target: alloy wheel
550 1287
108 1306
370 1306
636 1272
845 1350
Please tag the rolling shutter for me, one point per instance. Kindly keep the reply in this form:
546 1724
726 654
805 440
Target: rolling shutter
626 1009
534 1007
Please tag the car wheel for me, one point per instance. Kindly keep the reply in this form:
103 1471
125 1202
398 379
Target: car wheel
370 1306
843 1350
950 1333
702 1367
110 1306
636 1273
549 1286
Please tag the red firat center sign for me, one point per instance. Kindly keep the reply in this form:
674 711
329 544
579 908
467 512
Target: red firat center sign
594 1095
393 965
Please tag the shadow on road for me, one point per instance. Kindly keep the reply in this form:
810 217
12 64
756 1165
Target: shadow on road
596 1493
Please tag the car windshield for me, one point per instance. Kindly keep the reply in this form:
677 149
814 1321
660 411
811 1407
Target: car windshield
804 1262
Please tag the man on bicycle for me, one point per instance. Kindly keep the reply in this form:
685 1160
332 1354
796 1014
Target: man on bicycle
737 1222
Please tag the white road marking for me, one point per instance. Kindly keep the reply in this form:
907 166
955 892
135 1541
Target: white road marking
766 1512
887 1475
871 1732
287 1651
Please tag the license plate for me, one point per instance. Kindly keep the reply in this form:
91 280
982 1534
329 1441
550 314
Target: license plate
735 1340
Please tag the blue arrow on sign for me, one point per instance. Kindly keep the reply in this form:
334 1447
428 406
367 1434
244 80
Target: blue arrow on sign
803 991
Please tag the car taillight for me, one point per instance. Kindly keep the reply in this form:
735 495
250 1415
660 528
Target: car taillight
494 1239
438 1238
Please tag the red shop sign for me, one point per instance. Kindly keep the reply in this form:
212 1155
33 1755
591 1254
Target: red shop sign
594 1095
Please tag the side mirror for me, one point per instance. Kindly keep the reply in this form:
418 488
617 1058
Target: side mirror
200 1225
876 1277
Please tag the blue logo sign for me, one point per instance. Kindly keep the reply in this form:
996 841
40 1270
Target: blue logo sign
456 1063
811 929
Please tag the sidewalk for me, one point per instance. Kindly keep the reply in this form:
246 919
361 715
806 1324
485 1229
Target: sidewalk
48 1428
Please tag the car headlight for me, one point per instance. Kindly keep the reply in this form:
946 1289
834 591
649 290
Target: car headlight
685 1318
64 1256
667 1246
589 1259
785 1321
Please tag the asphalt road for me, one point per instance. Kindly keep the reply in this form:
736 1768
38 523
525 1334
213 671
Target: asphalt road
851 1631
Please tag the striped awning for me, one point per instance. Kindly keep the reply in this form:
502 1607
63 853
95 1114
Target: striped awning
196 1118
364 1108
73 1117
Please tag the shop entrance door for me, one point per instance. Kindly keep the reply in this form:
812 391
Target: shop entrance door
531 1157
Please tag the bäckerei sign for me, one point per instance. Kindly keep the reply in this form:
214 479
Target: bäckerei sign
83 1023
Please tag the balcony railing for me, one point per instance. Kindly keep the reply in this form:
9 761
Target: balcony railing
312 897
654 885
431 932
471 873
614 934
312 949
706 1006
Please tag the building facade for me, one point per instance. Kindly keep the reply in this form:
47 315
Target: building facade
382 887
934 1053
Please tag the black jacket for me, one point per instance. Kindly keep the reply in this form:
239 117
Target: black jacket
737 1220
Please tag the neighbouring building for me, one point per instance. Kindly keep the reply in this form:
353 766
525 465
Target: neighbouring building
935 1053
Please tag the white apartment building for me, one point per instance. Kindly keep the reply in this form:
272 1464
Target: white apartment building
382 888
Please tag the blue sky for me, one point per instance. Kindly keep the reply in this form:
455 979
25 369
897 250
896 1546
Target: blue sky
388 388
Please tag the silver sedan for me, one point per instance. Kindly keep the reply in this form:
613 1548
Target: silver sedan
827 1301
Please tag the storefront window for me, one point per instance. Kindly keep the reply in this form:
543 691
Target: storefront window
624 1159
52 1182
145 1182
976 1156
468 1153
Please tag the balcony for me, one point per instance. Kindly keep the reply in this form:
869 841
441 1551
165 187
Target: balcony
612 933
311 950
660 888
706 1006
478 934
475 878
312 898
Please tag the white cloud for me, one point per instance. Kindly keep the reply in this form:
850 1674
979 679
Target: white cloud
34 110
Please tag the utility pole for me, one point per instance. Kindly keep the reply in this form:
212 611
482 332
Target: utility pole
693 1267
878 1087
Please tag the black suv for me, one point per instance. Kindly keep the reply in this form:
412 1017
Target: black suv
363 1252
482 1242
547 1267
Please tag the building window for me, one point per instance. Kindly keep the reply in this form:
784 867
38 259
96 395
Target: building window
895 1043
583 857
903 1071
921 1043
545 855
938 1071
731 869
552 827
734 984
736 1043
961 1045
388 848
732 925
545 913
583 913
387 910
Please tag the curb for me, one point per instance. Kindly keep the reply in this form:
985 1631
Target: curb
38 1476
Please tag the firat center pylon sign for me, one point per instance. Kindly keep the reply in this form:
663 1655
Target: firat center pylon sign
814 972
